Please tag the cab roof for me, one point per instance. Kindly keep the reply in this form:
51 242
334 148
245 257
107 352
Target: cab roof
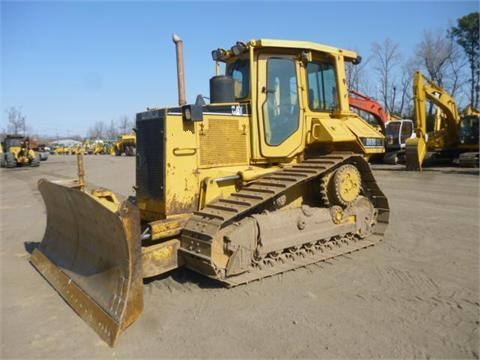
306 45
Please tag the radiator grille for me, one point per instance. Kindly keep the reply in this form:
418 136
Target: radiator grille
223 143
150 156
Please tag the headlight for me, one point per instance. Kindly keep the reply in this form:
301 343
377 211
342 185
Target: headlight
220 55
372 142
238 48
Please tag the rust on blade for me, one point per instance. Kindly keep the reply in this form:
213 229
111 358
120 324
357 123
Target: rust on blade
84 306
91 254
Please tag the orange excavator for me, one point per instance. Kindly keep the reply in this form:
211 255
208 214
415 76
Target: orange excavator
369 105
395 129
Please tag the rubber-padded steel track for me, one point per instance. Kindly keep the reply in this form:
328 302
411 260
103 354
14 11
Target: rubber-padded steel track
204 225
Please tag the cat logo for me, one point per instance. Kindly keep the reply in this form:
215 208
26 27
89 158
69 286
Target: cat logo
237 110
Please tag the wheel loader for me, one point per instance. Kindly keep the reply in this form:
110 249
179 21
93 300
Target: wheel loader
17 151
269 176
125 144
99 147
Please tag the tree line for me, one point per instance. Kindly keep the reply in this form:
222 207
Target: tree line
17 125
16 121
110 130
449 57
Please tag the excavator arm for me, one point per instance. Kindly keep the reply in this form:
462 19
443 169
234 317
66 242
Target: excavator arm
362 102
446 122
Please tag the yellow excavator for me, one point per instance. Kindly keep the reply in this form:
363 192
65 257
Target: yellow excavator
468 138
270 176
454 137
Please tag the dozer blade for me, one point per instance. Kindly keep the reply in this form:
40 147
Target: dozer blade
91 255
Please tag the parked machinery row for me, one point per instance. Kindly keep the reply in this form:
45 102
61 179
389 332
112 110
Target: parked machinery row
395 129
440 135
125 144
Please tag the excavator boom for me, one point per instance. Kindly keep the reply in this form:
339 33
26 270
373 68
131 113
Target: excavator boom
365 103
446 125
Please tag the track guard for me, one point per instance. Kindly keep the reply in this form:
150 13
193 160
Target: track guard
92 256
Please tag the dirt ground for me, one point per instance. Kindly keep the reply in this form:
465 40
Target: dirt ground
416 295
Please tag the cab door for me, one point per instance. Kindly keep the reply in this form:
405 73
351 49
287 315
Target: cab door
279 108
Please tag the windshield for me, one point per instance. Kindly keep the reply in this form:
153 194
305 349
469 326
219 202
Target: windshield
13 142
240 72
469 130
393 129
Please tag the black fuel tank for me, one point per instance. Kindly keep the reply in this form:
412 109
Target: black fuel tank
221 89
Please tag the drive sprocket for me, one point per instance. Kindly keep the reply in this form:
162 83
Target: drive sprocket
341 187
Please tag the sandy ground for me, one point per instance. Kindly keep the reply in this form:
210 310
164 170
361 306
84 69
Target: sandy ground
416 295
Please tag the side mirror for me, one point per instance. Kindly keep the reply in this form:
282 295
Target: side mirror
357 61
192 113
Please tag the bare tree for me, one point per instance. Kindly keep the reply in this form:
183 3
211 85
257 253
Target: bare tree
442 59
97 131
404 107
16 121
457 74
386 57
125 125
434 52
356 78
112 132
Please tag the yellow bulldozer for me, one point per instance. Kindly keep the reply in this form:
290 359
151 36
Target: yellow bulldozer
17 151
270 176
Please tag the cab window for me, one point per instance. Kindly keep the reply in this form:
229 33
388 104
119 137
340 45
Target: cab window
407 130
322 86
240 72
281 108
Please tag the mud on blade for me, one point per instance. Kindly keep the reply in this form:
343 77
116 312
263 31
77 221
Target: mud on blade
91 255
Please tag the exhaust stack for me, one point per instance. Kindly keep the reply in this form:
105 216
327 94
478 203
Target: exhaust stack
180 69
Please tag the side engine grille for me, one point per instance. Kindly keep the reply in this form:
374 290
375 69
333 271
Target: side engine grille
223 143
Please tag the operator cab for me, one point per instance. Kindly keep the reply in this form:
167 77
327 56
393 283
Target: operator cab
397 132
468 134
12 141
290 89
